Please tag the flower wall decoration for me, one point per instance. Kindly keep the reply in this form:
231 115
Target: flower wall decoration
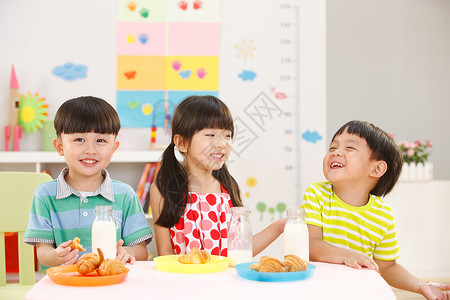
32 112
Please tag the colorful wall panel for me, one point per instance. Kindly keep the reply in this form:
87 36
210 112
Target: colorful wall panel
166 51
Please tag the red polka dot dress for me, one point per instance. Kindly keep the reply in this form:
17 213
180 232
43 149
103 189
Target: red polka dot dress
204 224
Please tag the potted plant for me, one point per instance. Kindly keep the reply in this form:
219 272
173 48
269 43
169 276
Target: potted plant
415 156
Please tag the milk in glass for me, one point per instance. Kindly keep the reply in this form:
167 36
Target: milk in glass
104 232
240 256
240 248
296 238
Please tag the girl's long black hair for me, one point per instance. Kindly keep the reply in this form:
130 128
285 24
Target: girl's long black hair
191 115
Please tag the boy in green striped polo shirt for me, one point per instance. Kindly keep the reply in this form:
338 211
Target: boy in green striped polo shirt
347 220
62 209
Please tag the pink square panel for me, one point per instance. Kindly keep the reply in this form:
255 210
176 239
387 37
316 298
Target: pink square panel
194 39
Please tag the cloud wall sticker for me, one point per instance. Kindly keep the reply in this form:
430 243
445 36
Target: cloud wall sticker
70 71
311 137
247 75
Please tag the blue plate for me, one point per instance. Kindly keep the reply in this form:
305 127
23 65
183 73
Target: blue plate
245 272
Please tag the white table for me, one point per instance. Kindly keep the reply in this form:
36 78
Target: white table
144 281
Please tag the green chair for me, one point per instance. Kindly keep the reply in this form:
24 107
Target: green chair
16 194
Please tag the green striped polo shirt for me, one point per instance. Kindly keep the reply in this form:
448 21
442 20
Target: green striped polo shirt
60 213
369 229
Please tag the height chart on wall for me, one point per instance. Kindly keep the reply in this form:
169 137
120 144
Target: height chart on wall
279 127
166 51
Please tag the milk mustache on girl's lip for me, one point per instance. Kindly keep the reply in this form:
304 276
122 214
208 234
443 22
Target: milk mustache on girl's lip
296 238
104 232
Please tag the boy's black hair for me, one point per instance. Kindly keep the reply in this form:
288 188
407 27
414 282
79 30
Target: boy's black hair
86 114
382 147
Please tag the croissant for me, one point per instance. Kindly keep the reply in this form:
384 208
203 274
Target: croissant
196 256
293 263
88 262
111 267
268 264
255 266
76 244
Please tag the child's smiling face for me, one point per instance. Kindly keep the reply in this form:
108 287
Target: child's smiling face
348 159
209 148
86 154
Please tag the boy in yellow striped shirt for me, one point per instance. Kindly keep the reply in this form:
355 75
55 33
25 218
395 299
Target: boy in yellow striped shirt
347 220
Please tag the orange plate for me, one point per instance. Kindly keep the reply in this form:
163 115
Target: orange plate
68 275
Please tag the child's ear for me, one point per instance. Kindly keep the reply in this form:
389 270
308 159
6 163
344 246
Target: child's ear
116 145
180 143
57 144
378 169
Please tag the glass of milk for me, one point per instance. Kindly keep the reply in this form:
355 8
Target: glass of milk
296 238
240 236
104 232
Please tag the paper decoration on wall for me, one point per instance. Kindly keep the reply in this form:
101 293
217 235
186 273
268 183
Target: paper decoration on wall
144 12
70 71
134 105
245 49
311 137
132 109
197 4
130 75
32 112
278 95
262 207
247 75
280 208
185 74
131 5
251 183
184 5
163 57
147 108
143 38
131 37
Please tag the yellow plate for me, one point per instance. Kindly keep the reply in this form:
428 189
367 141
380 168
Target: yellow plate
169 263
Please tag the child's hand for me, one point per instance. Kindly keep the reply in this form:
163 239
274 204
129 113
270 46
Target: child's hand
123 255
65 255
434 291
360 260
280 224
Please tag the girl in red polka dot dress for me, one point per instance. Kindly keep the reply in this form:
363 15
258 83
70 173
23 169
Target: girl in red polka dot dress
191 200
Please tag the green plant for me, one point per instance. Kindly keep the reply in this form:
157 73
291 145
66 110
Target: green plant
261 207
416 152
281 207
271 210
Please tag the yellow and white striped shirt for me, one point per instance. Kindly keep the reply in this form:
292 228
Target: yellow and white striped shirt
369 229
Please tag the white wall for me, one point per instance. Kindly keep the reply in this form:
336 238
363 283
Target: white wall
50 33
388 62
421 218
